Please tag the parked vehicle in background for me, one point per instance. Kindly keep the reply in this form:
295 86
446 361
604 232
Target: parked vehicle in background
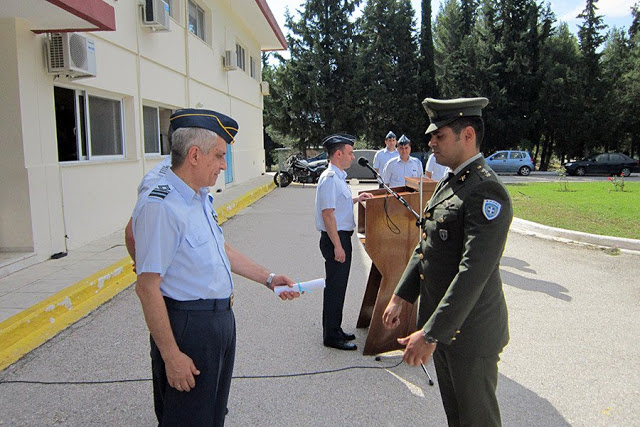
361 172
321 156
297 169
511 161
606 164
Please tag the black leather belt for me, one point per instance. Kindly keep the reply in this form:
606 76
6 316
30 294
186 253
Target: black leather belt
200 304
349 232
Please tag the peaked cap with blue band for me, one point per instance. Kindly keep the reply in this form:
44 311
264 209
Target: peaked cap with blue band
224 126
338 138
441 112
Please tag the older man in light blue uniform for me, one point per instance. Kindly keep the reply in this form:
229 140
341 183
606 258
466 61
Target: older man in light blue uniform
398 168
184 271
335 221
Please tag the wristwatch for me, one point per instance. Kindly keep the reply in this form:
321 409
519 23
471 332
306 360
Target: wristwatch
428 338
270 279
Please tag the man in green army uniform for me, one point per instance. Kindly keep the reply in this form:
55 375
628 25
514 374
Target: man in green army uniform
462 317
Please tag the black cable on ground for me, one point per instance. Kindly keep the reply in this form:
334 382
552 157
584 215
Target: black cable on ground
241 377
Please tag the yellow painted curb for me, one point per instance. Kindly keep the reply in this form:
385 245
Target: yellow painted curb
31 328
34 326
230 209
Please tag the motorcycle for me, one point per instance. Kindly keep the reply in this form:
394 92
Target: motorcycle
299 170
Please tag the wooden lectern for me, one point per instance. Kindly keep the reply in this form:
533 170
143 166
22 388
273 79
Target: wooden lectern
390 236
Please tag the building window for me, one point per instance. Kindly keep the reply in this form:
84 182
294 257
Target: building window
87 126
253 68
170 7
196 20
156 126
240 57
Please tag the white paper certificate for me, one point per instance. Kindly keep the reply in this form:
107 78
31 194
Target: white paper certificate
311 285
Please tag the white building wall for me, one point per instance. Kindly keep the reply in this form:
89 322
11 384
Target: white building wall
43 200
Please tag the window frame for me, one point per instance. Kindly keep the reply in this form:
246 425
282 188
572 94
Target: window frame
201 33
241 57
158 129
82 118
253 70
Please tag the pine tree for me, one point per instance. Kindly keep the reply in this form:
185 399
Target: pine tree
319 76
590 38
560 96
426 61
388 72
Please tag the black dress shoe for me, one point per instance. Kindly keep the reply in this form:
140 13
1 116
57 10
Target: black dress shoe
340 344
347 337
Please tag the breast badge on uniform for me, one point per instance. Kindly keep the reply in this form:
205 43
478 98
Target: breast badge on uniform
444 235
491 209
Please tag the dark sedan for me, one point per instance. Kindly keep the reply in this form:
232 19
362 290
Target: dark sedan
603 164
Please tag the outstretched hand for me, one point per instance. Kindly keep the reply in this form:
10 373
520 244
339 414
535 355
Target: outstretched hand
282 280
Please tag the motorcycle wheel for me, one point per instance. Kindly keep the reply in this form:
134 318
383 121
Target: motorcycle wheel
282 179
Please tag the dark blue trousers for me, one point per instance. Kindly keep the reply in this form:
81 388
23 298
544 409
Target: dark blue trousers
205 330
337 276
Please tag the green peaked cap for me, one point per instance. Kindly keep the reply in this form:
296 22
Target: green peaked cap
441 112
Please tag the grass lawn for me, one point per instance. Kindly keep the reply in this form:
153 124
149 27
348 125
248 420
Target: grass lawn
591 207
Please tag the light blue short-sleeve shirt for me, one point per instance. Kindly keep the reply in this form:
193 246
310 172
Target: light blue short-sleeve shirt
178 237
382 157
395 171
154 175
334 193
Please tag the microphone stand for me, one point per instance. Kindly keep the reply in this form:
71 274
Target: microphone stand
419 220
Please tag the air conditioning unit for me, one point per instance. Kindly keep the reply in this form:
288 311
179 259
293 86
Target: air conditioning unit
71 54
264 88
230 60
155 15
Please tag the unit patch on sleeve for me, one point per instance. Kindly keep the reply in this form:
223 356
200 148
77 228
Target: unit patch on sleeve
491 209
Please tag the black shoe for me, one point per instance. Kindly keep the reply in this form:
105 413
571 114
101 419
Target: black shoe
347 337
340 344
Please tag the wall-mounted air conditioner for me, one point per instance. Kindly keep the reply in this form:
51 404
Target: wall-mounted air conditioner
155 15
264 88
71 54
230 60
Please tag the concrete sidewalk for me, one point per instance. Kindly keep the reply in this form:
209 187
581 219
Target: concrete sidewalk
36 303
39 301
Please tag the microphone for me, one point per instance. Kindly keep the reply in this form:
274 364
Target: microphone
364 162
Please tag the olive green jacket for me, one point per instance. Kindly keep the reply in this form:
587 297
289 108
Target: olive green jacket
455 267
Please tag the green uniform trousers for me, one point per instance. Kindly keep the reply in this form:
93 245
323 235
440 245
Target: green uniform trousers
468 388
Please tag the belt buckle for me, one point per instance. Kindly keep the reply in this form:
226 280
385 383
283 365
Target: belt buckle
231 300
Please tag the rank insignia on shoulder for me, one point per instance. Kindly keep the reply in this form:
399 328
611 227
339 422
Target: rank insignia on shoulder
491 209
160 192
330 173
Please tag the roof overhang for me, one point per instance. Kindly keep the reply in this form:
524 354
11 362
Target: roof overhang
257 16
45 16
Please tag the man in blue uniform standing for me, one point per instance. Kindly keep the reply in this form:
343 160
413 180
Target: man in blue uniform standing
398 168
184 271
387 153
335 222
455 269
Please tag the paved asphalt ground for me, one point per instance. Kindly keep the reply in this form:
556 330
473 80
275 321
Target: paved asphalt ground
573 357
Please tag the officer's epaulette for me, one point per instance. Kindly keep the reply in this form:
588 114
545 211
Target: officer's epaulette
160 191
330 173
